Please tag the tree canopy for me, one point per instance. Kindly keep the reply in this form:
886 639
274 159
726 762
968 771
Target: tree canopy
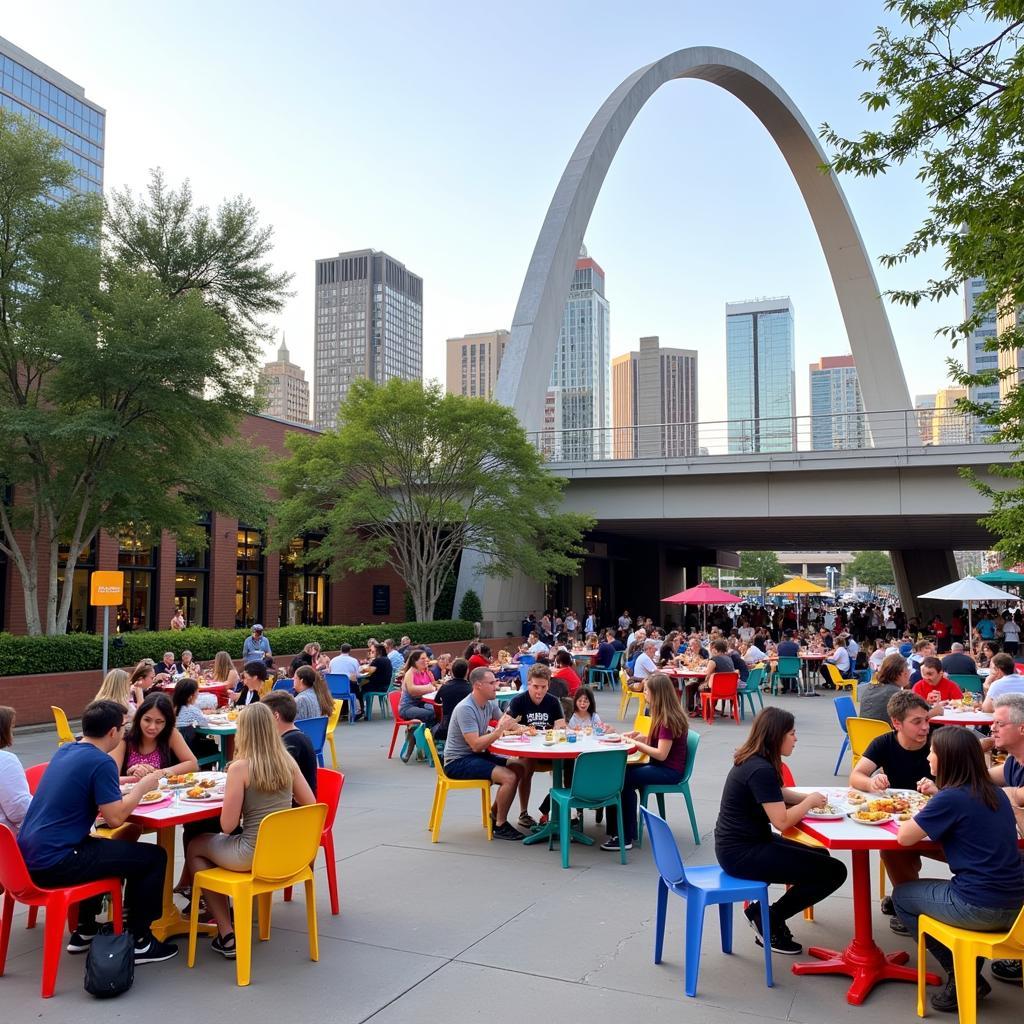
128 351
761 567
871 568
412 477
951 90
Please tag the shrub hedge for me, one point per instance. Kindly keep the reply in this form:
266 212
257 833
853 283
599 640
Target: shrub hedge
77 652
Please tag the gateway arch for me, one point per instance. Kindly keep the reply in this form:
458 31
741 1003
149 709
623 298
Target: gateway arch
525 367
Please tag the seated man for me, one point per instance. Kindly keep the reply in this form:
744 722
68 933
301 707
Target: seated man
644 665
899 760
922 649
465 749
81 781
935 686
1002 679
284 709
720 661
535 709
958 663
535 646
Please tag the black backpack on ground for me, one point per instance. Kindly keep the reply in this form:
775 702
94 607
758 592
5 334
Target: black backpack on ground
110 964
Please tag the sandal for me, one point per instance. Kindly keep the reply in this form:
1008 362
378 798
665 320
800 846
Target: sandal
225 946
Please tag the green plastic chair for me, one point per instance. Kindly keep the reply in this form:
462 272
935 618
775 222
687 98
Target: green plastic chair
596 782
968 683
682 786
787 668
751 689
599 676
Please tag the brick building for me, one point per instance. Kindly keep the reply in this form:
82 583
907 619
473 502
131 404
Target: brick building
230 583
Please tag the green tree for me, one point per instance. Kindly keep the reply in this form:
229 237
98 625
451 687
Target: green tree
871 568
951 87
124 368
470 608
762 567
413 476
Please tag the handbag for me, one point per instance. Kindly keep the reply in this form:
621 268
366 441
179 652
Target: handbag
110 963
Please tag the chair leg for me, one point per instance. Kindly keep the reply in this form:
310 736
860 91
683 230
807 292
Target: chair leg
564 818
314 935
659 921
193 925
693 817
433 806
327 842
694 936
965 975
842 754
766 929
881 879
442 796
288 894
5 929
485 810
725 925
243 938
622 831
394 739
33 916
921 971
53 933
645 795
334 752
263 912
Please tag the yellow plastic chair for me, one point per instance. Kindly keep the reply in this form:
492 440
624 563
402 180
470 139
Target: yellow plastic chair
64 733
444 784
641 724
861 732
966 946
332 724
286 846
841 682
628 695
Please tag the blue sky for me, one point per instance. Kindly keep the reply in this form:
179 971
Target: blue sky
438 133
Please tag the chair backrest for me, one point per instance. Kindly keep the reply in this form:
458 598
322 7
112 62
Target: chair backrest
339 684
642 722
724 685
1016 932
968 682
328 791
692 739
836 676
527 659
14 876
845 708
754 677
64 733
33 774
624 680
315 729
862 731
432 746
394 699
788 666
664 848
288 840
284 684
335 715
598 774
616 663
787 775
523 672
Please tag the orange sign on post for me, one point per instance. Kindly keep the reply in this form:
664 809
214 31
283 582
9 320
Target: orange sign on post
106 589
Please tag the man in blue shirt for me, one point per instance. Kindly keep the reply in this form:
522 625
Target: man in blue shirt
256 645
79 782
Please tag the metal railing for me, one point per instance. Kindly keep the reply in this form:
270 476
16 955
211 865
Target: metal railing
902 428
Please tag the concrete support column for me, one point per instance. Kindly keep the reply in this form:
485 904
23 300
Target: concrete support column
917 572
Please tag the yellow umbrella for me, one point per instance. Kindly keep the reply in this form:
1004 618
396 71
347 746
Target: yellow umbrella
797 585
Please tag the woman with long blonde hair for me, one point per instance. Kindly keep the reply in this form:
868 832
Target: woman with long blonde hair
263 778
116 686
224 671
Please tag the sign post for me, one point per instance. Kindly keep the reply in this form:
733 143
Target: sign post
106 591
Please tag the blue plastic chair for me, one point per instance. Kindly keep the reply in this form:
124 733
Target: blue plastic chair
340 686
845 708
316 730
523 671
610 675
284 684
701 887
682 786
527 659
750 689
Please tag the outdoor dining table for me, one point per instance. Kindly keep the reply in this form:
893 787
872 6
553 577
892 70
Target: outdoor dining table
810 669
225 733
164 819
534 748
962 716
218 690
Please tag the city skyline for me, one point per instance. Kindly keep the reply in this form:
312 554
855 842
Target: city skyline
692 142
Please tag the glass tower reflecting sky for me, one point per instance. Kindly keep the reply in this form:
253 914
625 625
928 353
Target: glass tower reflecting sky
759 354
55 103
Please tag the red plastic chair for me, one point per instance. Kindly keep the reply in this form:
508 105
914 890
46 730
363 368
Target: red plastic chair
33 775
724 686
328 791
59 903
394 696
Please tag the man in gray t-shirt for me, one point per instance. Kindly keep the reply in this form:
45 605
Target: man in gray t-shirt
467 752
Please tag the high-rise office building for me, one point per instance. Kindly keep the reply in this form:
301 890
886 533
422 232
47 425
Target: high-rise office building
760 382
578 404
949 425
1011 359
924 406
286 388
473 362
52 102
654 402
369 323
978 357
837 406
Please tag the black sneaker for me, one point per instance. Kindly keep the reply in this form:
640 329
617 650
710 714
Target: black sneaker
506 831
753 916
887 907
225 946
81 939
612 843
897 926
781 941
1007 970
150 950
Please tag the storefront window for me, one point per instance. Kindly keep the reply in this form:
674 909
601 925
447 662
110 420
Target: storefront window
303 590
138 560
81 616
249 578
191 580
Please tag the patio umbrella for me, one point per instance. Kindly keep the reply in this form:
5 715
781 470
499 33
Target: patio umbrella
796 585
969 591
1002 578
703 594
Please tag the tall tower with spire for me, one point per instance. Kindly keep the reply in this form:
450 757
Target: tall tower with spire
285 388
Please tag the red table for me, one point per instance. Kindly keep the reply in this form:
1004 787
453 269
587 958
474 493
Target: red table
219 690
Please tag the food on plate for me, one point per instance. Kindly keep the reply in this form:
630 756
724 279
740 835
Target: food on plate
855 797
872 816
827 811
890 804
904 816
181 780
207 783
196 793
151 797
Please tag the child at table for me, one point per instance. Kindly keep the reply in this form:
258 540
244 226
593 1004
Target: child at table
973 821
585 710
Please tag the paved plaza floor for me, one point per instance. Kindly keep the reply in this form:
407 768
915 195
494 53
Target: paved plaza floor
468 930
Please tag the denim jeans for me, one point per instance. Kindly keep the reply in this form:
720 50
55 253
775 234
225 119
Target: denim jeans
637 776
937 899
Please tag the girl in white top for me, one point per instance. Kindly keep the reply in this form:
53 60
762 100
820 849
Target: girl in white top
585 710
14 794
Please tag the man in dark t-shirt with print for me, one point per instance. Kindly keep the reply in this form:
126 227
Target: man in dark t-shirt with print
899 760
296 742
538 709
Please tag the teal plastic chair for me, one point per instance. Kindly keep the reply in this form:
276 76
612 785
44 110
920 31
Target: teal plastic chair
750 689
968 683
610 675
420 739
596 782
788 669
381 696
683 786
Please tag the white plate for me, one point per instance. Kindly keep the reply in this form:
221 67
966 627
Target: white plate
833 816
858 821
201 799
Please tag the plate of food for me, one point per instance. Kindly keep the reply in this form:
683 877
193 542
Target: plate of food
894 804
854 797
869 817
827 813
611 737
179 781
154 796
196 795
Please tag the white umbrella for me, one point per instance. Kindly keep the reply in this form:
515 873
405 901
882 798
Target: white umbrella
969 591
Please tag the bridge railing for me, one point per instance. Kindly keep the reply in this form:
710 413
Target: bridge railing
901 428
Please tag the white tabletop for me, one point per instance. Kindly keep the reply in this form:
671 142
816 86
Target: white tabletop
962 717
534 746
844 833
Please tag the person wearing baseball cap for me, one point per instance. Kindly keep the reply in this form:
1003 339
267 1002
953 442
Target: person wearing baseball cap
256 645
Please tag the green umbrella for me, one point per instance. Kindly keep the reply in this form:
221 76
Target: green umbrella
1002 577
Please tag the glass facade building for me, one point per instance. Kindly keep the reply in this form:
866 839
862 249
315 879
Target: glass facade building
369 323
49 100
978 356
759 353
837 406
578 407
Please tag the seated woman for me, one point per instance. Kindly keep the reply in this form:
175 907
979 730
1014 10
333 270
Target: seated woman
377 673
14 794
566 671
442 668
973 821
116 686
312 698
417 679
152 743
753 800
254 675
142 680
190 666
262 778
665 745
451 692
224 671
188 717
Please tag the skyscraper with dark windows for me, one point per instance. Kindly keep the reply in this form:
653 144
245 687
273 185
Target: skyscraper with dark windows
369 323
979 357
837 406
44 97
